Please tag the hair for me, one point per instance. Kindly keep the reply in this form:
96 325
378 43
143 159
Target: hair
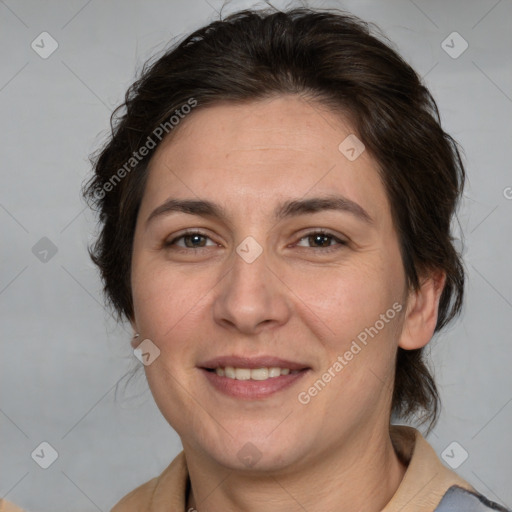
327 56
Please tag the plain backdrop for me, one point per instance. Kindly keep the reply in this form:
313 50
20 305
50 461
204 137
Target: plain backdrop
64 361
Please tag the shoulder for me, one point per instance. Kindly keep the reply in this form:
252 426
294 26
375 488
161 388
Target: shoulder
6 506
457 499
160 494
138 499
428 485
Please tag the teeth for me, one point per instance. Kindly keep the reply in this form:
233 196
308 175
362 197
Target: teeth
274 372
259 374
242 373
253 374
229 372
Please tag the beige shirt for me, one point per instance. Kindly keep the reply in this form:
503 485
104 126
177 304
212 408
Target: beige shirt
6 506
424 484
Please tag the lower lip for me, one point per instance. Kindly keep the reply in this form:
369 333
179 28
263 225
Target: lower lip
252 389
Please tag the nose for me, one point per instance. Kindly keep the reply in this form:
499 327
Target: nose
251 297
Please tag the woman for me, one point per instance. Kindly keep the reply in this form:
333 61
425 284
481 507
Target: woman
275 202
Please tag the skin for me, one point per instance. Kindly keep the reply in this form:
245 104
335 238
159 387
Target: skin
295 301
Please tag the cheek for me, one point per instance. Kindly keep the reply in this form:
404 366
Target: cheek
169 309
343 300
357 314
167 301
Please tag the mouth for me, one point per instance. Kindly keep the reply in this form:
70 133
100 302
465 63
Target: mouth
260 374
252 378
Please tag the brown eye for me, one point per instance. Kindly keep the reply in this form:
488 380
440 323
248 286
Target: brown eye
191 240
319 240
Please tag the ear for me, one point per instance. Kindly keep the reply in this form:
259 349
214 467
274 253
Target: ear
421 313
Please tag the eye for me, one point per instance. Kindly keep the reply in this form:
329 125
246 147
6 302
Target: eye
190 240
321 240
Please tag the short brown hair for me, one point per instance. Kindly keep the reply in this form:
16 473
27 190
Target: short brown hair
330 57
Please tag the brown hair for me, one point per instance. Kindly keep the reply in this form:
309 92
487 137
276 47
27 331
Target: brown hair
330 57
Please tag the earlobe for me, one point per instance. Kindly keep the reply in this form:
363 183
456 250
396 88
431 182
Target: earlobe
421 312
135 340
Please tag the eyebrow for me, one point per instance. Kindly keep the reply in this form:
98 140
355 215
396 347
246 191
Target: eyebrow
284 210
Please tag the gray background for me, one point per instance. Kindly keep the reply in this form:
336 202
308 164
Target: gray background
63 357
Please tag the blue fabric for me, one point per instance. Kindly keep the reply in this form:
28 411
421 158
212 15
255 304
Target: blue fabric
457 499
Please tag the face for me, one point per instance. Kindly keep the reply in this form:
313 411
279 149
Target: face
287 258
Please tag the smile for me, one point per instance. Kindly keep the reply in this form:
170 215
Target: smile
231 372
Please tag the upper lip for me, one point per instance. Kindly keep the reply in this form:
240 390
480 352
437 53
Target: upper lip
252 363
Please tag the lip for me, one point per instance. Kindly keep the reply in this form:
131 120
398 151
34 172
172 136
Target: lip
252 363
252 389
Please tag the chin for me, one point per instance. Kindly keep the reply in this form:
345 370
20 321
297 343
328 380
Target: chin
260 452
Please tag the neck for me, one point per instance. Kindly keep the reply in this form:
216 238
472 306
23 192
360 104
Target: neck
359 475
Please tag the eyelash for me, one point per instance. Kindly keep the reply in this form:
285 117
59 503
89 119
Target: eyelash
320 232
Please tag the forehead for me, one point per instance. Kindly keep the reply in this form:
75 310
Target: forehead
245 155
